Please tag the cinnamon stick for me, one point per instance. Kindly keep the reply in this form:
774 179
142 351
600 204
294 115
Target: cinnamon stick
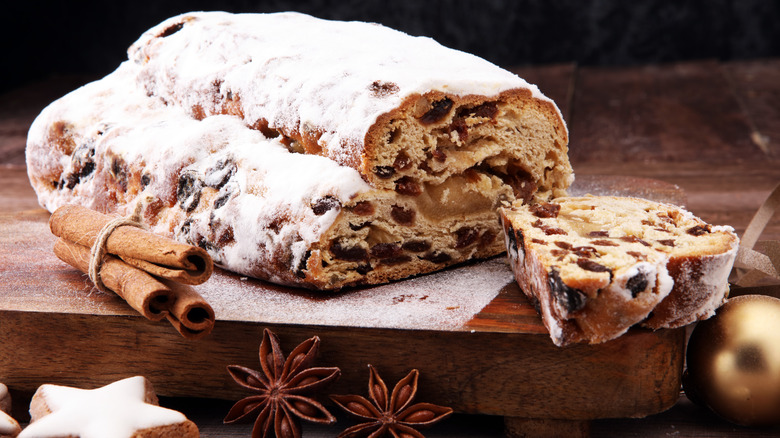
160 256
151 273
153 298
142 292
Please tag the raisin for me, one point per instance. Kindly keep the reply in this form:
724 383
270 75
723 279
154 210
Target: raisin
416 246
439 155
459 125
572 299
585 251
438 111
386 250
402 162
637 255
221 201
220 173
364 269
437 257
666 242
170 30
559 252
598 234
515 242
226 237
384 172
145 180
545 210
402 215
300 272
699 230
548 230
466 236
353 254
539 241
637 283
363 208
360 226
487 110
563 245
590 265
634 239
188 191
383 89
603 242
325 204
522 184
408 186
119 172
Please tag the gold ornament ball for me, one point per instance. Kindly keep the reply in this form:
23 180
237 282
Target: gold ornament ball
734 361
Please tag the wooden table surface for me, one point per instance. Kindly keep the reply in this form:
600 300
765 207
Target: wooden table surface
711 128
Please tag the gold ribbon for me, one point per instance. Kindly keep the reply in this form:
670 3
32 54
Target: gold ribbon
758 262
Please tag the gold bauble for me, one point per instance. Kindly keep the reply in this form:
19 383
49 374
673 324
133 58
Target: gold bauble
734 361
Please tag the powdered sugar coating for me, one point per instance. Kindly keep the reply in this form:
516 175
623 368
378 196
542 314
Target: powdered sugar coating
162 138
314 79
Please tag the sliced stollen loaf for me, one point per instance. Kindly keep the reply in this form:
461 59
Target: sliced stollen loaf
597 265
338 154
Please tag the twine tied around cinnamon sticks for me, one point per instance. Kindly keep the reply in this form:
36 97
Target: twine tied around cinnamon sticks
153 274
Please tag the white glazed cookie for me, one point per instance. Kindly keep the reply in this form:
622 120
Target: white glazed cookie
123 409
9 427
5 399
340 154
596 265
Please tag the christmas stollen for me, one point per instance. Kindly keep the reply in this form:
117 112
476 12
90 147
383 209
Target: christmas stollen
340 154
597 265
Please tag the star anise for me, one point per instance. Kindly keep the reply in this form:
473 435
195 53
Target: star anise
394 416
283 389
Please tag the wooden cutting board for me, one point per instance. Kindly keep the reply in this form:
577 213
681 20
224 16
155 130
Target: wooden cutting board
479 345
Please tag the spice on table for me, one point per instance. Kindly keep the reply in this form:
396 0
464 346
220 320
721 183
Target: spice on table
284 388
394 415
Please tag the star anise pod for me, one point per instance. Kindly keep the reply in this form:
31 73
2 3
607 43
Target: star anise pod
283 389
396 415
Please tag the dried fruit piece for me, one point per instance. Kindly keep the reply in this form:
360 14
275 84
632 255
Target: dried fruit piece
466 236
438 111
571 299
408 186
402 216
325 204
545 210
590 265
349 254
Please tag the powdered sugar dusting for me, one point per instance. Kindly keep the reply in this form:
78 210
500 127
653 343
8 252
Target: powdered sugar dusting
441 301
304 74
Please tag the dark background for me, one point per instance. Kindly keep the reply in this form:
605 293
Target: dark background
45 38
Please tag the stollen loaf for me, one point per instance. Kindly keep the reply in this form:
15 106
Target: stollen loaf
303 151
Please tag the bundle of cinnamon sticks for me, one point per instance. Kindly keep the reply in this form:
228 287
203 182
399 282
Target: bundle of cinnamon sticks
153 274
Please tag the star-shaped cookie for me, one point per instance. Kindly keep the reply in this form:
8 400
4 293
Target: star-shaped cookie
121 409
